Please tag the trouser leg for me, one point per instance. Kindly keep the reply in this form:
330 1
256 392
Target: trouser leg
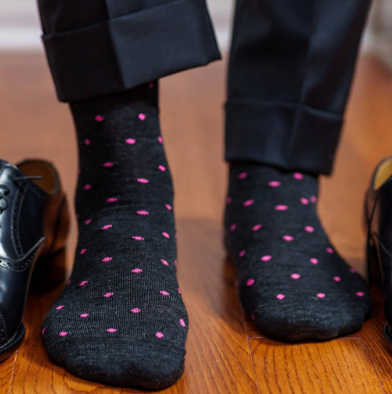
98 47
290 72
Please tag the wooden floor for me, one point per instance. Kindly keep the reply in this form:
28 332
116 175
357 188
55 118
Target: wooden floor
225 353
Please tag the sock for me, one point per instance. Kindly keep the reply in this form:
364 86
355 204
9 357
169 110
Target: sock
291 280
121 319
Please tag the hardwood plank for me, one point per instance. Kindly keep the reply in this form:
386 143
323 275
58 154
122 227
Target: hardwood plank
218 359
339 366
377 347
7 369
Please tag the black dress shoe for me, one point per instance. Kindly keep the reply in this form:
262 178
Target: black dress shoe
34 224
378 213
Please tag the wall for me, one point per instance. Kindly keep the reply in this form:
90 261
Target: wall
20 29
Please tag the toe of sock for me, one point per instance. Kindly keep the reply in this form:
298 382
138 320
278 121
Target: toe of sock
303 322
120 363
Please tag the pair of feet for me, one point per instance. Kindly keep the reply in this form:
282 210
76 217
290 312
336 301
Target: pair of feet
121 319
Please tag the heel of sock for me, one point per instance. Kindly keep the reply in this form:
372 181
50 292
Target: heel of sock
49 272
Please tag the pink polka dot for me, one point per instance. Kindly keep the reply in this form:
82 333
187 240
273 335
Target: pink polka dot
159 335
69 282
295 276
162 168
274 184
87 187
160 140
87 222
175 263
111 330
360 294
107 227
137 238
257 227
42 332
330 250
352 270
248 203
309 229
304 201
228 201
83 283
280 296
179 291
142 117
266 258
83 251
84 315
135 310
141 180
288 238
281 208
250 282
137 271
164 262
107 259
232 227
337 278
108 295
151 85
314 261
166 235
252 317
182 323
165 293
99 118
108 165
113 199
130 141
242 253
320 295
143 213
243 175
168 207
60 307
313 199
298 176
87 142
63 334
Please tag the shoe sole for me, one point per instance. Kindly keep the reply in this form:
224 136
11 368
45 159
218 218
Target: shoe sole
12 345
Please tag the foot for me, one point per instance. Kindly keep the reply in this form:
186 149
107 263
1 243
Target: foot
121 319
291 280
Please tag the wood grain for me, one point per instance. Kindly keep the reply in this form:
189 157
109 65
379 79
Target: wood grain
340 366
225 352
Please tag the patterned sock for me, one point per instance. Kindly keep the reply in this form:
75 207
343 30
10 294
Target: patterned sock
291 280
121 319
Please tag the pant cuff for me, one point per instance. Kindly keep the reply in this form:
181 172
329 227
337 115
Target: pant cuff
291 136
125 52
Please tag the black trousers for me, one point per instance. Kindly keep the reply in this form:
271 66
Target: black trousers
290 72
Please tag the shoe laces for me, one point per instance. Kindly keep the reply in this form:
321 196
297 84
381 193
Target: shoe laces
4 190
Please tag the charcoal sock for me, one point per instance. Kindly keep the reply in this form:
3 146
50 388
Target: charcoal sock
291 280
121 320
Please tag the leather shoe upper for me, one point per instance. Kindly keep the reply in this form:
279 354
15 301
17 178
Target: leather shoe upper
378 211
34 223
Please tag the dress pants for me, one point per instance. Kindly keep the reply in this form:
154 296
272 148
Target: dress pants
290 70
